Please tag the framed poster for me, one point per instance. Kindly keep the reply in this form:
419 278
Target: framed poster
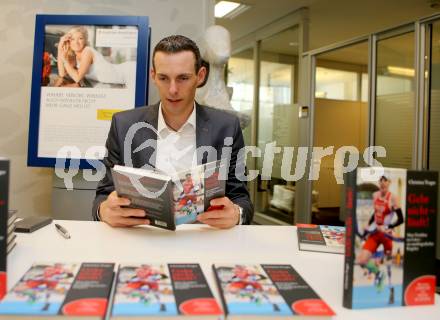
85 69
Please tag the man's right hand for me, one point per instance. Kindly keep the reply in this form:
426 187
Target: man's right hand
112 213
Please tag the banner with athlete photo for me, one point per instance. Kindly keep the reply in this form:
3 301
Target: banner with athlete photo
90 68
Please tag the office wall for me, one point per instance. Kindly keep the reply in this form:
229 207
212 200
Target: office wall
31 188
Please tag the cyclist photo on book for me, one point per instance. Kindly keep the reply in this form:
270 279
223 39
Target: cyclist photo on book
249 289
378 271
189 198
144 289
43 287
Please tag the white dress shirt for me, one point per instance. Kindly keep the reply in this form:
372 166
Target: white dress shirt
176 150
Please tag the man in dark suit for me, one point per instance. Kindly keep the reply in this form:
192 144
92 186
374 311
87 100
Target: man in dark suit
177 72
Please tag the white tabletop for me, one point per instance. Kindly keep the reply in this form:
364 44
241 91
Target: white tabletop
97 242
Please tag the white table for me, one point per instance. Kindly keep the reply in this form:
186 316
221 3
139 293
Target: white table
97 242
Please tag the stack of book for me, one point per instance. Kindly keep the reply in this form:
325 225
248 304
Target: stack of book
4 196
10 235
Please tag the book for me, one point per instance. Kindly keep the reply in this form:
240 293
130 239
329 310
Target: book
163 291
11 243
11 239
10 229
390 238
60 290
267 291
321 238
12 218
11 247
4 197
170 201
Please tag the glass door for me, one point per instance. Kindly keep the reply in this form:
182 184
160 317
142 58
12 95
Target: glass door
277 121
395 99
340 119
431 139
240 79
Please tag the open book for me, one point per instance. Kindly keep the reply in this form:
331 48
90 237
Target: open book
170 201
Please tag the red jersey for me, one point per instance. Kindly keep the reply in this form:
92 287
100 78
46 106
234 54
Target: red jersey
382 207
188 186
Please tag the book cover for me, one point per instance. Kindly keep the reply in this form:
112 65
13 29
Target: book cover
191 291
60 289
159 204
41 290
267 290
170 201
390 238
321 238
162 290
90 291
4 195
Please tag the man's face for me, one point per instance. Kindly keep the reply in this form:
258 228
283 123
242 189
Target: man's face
176 79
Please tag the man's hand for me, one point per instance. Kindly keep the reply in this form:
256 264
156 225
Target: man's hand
223 218
111 212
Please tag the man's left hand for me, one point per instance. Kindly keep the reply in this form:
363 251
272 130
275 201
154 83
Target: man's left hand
223 218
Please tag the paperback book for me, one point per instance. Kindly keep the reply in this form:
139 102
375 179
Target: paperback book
11 243
60 290
163 291
4 195
12 218
390 238
170 201
267 291
321 238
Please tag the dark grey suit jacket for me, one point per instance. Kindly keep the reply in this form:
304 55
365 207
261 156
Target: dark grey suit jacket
212 127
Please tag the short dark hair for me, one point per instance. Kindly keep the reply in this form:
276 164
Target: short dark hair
179 43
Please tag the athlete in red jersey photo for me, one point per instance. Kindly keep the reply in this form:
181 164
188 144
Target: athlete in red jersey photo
380 232
188 195
145 286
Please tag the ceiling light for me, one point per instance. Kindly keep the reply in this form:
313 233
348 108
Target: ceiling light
320 94
400 71
229 9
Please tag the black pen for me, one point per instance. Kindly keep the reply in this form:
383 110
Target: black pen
62 231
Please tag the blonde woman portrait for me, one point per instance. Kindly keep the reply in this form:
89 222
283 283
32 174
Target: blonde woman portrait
80 65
